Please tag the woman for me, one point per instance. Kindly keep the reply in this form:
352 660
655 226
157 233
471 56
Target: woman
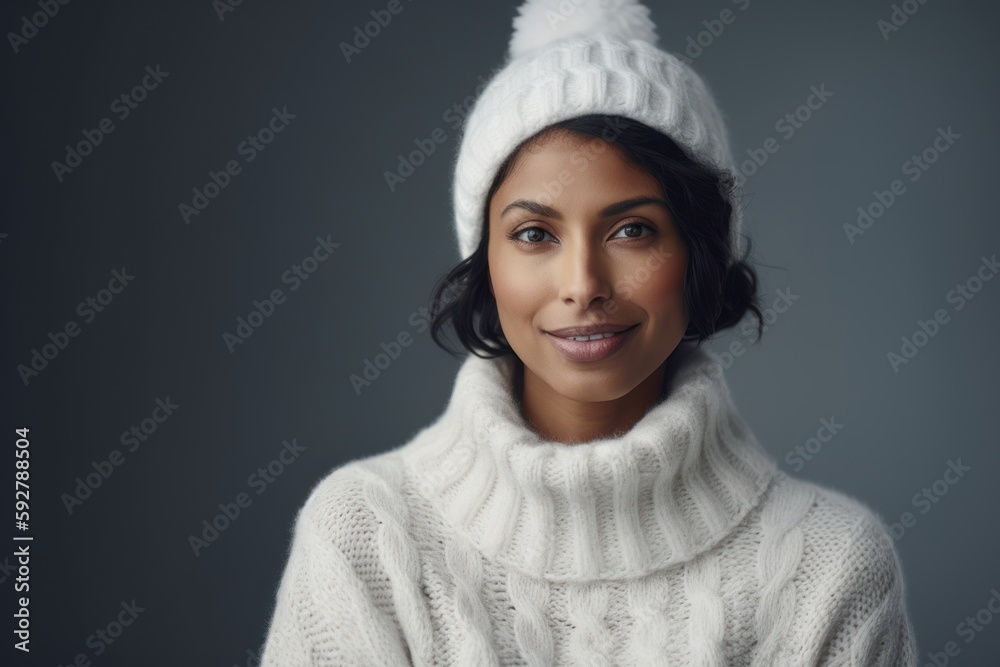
590 495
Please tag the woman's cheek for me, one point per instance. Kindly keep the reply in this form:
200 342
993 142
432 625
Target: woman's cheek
517 288
651 275
507 285
670 284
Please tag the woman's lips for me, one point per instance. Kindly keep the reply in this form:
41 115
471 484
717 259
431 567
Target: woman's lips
591 350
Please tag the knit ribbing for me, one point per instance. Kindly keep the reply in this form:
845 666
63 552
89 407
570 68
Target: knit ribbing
478 543
670 488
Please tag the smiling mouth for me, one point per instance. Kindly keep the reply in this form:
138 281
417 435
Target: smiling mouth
598 336
591 348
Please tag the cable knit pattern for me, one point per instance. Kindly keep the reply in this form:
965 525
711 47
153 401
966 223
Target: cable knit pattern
702 580
777 561
674 543
400 558
649 601
590 643
533 632
466 566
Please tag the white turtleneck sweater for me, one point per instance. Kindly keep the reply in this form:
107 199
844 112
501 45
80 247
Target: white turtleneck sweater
679 542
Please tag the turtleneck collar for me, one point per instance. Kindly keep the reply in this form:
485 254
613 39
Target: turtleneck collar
671 487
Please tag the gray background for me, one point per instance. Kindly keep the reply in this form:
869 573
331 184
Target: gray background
162 336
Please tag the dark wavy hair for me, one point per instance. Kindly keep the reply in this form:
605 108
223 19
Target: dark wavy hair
719 288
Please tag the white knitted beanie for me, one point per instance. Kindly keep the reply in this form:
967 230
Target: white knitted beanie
570 58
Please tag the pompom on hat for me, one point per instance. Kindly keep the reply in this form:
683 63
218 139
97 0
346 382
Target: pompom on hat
569 58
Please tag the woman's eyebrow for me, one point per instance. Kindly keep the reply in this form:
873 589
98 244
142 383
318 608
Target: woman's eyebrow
538 208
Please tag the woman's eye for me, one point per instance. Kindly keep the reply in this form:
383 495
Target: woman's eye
634 230
532 235
536 235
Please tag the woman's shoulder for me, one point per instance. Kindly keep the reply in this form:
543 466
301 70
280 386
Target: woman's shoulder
356 515
845 552
367 496
355 496
344 541
837 554
830 515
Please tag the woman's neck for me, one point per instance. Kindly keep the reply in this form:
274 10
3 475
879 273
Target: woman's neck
557 418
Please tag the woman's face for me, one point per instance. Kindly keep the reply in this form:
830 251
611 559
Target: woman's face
558 259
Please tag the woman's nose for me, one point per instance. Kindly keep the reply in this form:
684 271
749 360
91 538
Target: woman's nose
584 274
